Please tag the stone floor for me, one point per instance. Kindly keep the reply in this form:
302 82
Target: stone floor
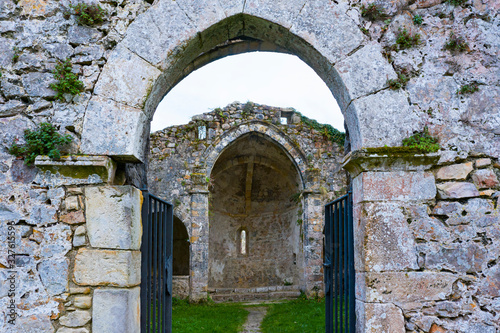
255 316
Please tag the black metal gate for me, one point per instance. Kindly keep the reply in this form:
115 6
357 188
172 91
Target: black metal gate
156 270
339 266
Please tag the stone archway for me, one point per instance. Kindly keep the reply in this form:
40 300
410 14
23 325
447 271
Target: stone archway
158 52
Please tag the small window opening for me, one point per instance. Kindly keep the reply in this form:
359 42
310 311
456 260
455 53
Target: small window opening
284 120
202 132
243 242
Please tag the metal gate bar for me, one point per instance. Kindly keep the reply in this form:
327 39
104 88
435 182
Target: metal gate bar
156 272
339 266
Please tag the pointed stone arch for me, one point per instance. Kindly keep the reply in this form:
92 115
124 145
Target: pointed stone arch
172 38
262 128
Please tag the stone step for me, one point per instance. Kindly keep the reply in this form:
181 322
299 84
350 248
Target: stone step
261 296
252 290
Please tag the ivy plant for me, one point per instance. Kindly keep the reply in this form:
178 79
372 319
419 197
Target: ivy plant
67 81
44 140
422 141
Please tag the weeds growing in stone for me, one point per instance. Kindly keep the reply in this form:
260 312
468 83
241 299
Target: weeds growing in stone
87 14
456 43
373 12
468 89
16 54
67 81
418 20
45 140
398 83
457 2
422 141
405 40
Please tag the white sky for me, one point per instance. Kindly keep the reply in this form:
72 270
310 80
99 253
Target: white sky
274 79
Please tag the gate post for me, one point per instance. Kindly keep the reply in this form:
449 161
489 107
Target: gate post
199 245
313 243
386 187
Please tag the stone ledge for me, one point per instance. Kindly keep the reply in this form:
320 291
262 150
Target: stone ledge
80 169
363 160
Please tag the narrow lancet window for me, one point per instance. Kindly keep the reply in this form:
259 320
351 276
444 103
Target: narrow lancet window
243 242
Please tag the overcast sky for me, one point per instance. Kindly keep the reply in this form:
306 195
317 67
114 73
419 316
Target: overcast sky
274 79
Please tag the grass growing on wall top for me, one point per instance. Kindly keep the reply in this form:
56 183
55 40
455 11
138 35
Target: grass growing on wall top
327 130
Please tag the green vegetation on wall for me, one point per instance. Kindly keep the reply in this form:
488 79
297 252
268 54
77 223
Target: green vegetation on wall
67 81
328 131
45 140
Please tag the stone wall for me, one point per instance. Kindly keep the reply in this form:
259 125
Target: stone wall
76 260
432 263
257 174
124 81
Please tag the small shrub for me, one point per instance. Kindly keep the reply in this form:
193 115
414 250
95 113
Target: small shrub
87 14
373 12
398 83
468 89
457 2
68 82
16 54
456 43
422 141
405 40
418 20
44 140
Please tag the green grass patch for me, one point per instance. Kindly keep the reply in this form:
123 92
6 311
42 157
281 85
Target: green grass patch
300 316
207 317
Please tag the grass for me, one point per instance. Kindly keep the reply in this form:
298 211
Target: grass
208 317
297 316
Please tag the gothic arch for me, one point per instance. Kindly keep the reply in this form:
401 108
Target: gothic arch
265 129
172 38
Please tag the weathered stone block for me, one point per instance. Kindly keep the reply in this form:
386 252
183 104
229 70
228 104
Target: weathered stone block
394 186
363 73
461 258
126 78
380 318
83 302
105 267
37 84
457 190
338 35
116 310
115 130
485 178
75 318
54 275
383 239
483 162
376 129
113 215
152 37
72 330
454 171
402 287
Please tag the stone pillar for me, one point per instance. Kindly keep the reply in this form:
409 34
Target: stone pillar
313 243
111 264
199 245
386 187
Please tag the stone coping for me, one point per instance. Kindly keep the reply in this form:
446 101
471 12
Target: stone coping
79 167
363 160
